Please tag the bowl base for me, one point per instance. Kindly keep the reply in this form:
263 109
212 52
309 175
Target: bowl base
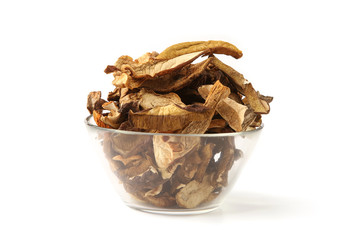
178 212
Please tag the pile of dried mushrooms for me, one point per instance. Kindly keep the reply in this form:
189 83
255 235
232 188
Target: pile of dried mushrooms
168 93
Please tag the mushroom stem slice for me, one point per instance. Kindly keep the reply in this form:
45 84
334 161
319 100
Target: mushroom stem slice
217 93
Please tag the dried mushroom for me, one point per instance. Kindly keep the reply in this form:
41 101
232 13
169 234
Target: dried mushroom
237 115
195 193
217 93
94 102
219 47
170 93
169 150
168 118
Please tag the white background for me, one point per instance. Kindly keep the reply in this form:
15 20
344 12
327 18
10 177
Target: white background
302 181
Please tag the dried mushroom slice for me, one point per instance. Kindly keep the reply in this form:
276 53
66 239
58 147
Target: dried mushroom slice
219 47
168 118
163 200
195 193
206 153
155 67
98 119
113 117
150 99
224 163
235 113
127 161
176 80
114 95
217 123
169 151
217 93
252 98
128 144
237 78
94 102
245 87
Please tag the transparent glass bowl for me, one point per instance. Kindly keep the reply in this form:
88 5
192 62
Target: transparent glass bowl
172 173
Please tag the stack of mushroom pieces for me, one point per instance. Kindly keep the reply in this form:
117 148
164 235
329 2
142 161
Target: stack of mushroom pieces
168 93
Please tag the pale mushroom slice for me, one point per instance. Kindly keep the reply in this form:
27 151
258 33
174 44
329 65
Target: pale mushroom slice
149 99
195 193
244 87
169 150
113 117
237 115
217 93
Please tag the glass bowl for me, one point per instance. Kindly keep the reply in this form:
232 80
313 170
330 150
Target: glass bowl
172 173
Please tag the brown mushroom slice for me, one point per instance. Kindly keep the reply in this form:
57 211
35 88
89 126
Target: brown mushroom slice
238 116
98 119
189 168
110 69
257 122
219 47
128 144
114 95
169 149
217 93
176 80
206 153
168 118
94 102
236 78
154 192
252 98
244 86
224 163
195 193
217 123
163 200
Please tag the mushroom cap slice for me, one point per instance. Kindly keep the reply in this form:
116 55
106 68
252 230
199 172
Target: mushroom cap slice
195 193
168 149
168 118
211 46
176 80
149 99
94 102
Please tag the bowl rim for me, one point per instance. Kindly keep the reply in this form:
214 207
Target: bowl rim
91 125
